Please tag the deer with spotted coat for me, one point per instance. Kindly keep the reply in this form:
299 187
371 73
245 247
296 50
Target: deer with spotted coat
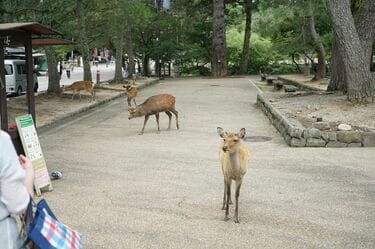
234 158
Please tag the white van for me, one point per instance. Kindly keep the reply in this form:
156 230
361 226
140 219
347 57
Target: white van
15 77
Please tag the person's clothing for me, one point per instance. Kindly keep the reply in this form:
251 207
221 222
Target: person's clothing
14 197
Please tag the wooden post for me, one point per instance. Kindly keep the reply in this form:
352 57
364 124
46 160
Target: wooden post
30 78
3 94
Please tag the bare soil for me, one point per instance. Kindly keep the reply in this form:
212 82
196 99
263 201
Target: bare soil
303 108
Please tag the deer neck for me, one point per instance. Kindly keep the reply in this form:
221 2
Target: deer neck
141 109
234 159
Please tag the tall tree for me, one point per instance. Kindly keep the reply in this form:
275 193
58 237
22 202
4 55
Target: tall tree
360 83
219 57
319 48
246 44
53 75
83 41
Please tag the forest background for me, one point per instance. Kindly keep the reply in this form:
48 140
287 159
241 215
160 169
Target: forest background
216 37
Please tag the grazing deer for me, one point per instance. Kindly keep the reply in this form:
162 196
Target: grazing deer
234 157
131 92
153 106
77 86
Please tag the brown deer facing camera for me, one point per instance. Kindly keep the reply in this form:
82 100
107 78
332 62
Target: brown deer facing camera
153 106
234 157
131 92
77 86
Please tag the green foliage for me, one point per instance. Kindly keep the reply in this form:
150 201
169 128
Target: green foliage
183 35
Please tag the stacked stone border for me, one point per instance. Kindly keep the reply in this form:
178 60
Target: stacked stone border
313 137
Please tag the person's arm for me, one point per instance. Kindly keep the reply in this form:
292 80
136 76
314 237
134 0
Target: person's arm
14 194
29 173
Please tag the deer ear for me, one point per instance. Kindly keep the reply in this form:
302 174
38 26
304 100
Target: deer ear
221 132
242 133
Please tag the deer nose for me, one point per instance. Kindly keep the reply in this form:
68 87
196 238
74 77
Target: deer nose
225 148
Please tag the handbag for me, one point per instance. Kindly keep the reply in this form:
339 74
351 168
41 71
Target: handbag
47 232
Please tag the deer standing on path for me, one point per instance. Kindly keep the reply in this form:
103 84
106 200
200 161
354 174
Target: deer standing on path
131 92
234 157
153 106
77 86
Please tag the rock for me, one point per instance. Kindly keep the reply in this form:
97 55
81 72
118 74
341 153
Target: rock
311 133
290 88
335 144
319 119
344 127
297 142
349 136
315 142
368 139
295 132
329 136
355 145
321 125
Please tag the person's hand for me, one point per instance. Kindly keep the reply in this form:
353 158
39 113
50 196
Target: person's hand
25 162
29 173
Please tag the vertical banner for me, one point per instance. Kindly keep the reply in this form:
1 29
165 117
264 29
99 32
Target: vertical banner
33 150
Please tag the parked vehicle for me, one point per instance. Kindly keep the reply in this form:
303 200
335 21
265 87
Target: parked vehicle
15 77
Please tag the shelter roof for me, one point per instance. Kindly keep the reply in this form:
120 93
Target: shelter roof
33 27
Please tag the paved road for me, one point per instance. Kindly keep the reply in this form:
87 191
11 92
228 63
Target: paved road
106 73
123 190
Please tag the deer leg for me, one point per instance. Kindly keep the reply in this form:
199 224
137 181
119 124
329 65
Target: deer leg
129 104
134 102
74 92
228 197
176 114
170 118
157 121
144 124
92 95
238 187
79 94
225 195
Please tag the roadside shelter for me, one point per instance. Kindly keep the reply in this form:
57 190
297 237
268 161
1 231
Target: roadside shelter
26 35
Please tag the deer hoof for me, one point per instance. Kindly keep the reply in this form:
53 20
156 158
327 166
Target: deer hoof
226 218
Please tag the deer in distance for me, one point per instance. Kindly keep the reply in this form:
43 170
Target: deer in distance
131 92
234 158
77 86
153 106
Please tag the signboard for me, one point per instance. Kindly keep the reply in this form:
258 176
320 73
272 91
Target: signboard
31 146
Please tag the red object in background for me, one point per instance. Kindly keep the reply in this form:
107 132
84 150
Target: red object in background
12 126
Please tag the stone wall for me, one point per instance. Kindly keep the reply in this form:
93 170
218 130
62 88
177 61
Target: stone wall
313 137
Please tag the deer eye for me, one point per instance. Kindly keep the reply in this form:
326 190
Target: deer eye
235 140
224 140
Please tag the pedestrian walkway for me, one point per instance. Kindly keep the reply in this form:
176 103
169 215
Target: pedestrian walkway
123 190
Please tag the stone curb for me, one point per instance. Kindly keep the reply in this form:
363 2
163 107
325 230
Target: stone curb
299 85
313 137
59 119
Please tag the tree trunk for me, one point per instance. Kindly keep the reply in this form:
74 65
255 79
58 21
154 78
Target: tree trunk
358 76
337 79
119 55
53 75
83 42
246 43
219 57
145 65
365 26
319 48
